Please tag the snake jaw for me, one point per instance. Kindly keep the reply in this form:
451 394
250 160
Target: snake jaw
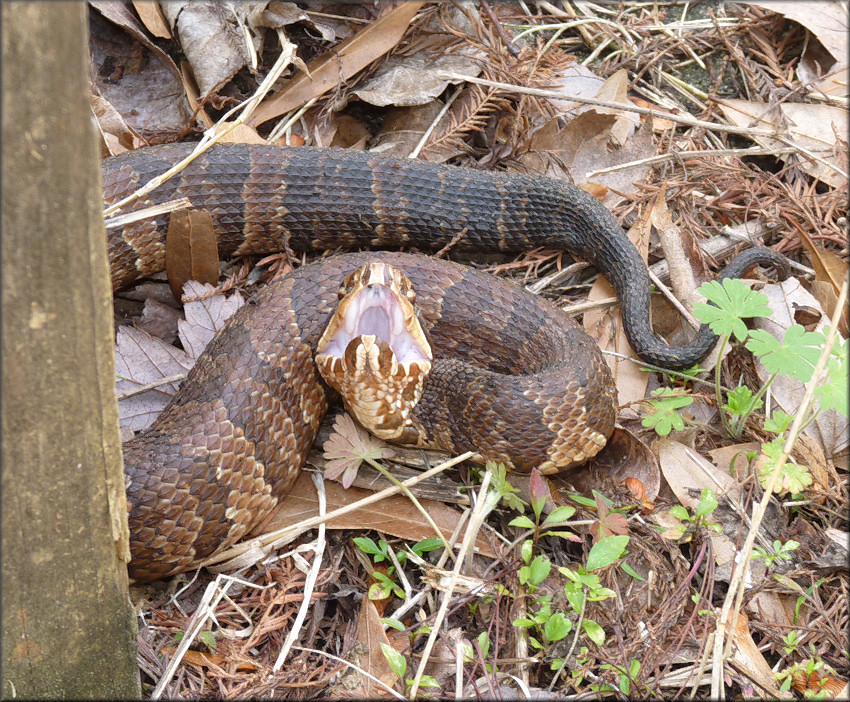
374 351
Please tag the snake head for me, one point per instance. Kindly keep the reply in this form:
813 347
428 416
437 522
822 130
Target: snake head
374 351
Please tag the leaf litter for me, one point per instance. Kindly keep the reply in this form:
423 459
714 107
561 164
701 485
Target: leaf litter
746 138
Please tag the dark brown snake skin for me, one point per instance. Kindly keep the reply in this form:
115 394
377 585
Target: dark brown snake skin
519 380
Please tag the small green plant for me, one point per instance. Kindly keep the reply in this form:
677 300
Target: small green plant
386 585
795 356
470 655
662 413
780 552
791 641
701 516
732 301
398 664
815 672
625 678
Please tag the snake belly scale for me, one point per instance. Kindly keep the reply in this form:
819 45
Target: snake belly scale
518 380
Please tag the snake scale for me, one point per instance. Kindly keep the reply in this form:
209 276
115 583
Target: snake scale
519 380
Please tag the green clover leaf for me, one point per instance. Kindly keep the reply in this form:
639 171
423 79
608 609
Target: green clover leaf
734 301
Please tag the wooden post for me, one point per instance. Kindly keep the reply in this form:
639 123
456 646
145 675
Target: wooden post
68 624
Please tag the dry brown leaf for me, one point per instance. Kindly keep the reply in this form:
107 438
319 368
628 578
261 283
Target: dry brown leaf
211 40
395 515
278 15
137 77
206 660
812 127
116 133
575 80
160 320
240 134
370 636
746 653
827 21
407 81
191 249
141 359
659 124
206 312
616 89
606 327
830 272
350 133
151 16
733 459
625 458
347 58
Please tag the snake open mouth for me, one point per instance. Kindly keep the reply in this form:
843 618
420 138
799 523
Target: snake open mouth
374 351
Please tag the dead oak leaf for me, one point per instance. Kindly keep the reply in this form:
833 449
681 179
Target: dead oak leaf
348 446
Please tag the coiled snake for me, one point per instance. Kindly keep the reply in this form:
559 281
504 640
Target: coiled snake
513 378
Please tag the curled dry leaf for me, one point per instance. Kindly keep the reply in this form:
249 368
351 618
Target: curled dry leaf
811 127
370 634
211 40
414 80
827 21
624 458
191 249
343 61
137 77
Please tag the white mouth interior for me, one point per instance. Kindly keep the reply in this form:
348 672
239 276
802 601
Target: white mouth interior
376 311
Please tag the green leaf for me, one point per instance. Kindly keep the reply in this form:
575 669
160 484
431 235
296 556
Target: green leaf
631 571
582 500
396 661
794 478
428 681
208 638
392 623
484 644
795 357
833 395
557 627
572 536
662 415
594 631
741 401
575 596
734 302
380 591
368 546
427 545
707 503
560 514
523 623
499 483
522 522
606 551
778 422
539 569
680 513
526 550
